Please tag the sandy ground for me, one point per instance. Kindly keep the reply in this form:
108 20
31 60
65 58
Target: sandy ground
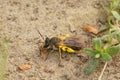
52 17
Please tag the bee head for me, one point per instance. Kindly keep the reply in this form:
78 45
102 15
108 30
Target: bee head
47 42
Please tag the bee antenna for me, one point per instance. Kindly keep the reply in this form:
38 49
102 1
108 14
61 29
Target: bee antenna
40 34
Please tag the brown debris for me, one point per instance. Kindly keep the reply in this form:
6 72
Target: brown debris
43 53
49 70
25 67
90 29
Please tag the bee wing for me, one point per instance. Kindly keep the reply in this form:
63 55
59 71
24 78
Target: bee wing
75 43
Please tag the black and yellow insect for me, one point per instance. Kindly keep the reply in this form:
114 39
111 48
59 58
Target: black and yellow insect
64 43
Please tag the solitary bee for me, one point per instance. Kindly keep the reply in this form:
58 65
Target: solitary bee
64 43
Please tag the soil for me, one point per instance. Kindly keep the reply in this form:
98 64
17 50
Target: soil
19 21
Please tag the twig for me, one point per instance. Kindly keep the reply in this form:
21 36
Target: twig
102 71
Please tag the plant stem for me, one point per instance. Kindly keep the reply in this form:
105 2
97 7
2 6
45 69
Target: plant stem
102 71
3 59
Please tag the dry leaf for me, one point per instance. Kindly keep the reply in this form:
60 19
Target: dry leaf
25 67
90 29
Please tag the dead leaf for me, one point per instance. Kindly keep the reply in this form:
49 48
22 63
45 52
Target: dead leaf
90 29
25 67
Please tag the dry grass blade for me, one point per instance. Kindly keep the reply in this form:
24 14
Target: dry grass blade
3 58
100 77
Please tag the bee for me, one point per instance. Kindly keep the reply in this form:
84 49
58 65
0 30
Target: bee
65 43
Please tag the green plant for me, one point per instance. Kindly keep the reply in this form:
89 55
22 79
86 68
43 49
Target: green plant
108 45
115 5
100 52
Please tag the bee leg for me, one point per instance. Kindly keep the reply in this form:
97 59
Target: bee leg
60 58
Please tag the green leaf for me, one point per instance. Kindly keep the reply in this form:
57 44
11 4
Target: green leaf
115 33
102 28
97 44
97 55
116 15
106 56
109 24
118 37
109 39
90 52
115 4
113 50
91 66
